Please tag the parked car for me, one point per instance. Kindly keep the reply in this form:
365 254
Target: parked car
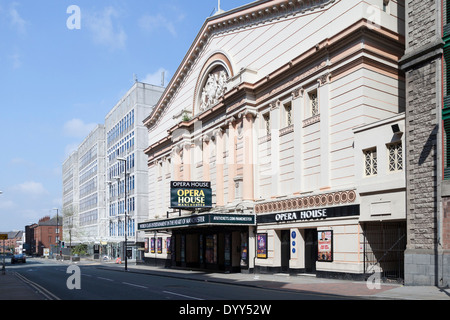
18 258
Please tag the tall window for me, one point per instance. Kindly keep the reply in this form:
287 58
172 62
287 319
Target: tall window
267 123
287 114
313 103
395 156
370 162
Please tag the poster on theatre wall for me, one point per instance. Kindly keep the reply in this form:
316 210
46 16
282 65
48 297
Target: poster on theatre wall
325 246
261 249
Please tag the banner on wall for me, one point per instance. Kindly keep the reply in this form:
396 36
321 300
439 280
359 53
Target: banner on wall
261 250
152 245
325 246
169 251
159 245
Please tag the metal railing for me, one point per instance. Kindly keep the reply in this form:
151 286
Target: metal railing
384 248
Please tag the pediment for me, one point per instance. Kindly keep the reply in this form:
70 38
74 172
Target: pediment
255 13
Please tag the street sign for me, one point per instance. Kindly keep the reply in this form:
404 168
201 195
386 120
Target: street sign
3 236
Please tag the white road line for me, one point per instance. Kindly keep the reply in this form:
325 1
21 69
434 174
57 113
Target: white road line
182 295
105 279
134 285
47 294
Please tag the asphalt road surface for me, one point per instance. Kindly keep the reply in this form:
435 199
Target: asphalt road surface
95 282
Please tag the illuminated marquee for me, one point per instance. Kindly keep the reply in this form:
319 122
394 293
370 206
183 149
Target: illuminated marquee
190 194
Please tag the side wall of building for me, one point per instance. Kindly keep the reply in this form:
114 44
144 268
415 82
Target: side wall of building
423 64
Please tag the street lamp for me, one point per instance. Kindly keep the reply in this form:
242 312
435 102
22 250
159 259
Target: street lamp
3 266
57 232
126 209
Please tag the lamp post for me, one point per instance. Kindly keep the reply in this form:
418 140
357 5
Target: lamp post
108 222
57 233
3 266
126 209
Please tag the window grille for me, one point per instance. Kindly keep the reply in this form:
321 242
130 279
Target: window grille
314 103
395 157
267 123
370 162
288 109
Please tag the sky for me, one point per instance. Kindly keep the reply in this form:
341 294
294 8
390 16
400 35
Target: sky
63 66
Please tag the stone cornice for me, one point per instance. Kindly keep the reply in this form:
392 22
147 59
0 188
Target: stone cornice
235 102
430 51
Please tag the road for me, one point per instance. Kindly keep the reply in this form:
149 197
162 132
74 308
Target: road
98 282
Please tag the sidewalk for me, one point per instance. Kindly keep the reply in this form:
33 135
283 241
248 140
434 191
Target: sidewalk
13 288
307 283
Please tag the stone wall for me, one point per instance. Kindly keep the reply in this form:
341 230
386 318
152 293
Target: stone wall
426 260
421 137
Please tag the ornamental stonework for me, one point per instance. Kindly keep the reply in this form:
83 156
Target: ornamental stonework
321 200
214 88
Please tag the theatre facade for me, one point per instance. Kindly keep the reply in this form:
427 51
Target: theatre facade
278 144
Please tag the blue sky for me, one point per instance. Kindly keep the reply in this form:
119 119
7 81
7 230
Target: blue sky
57 83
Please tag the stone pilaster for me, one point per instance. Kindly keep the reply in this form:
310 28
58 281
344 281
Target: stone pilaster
422 64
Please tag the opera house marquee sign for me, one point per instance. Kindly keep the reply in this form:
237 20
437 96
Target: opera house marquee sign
310 214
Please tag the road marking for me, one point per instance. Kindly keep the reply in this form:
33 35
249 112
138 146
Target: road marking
47 294
135 285
105 279
182 295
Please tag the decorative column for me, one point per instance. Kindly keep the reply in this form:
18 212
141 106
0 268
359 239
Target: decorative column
176 163
231 159
218 134
186 161
248 165
323 94
298 116
205 159
275 147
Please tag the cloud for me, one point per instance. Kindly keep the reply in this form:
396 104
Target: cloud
31 188
104 31
20 162
76 128
16 20
6 205
151 23
70 148
155 78
16 62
